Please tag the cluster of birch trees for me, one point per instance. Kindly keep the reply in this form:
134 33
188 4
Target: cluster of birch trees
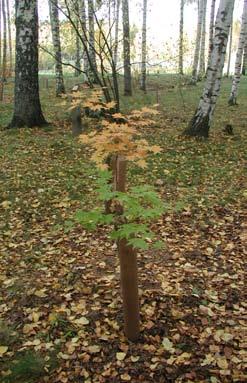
6 58
97 25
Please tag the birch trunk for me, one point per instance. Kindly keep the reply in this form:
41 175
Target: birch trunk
200 123
55 30
181 38
91 39
144 48
229 50
244 68
77 41
126 48
198 42
4 59
203 41
9 38
116 32
0 36
211 28
27 108
238 63
84 33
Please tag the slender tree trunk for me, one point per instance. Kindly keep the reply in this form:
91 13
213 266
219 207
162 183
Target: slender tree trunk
211 28
244 68
200 123
116 32
126 48
4 59
229 50
144 47
181 38
0 36
27 108
198 42
9 38
91 39
238 63
77 41
55 29
203 41
84 33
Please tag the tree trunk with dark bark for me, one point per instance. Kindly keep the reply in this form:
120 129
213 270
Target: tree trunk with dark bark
27 107
4 57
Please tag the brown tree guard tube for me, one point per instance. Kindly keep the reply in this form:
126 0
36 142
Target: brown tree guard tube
128 265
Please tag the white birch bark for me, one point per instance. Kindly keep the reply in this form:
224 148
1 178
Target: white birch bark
144 48
91 40
200 123
126 48
229 51
244 68
9 38
203 41
198 42
4 56
211 28
77 40
238 63
115 55
0 36
181 38
55 31
82 8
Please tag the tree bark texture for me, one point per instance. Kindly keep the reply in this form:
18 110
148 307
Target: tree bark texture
55 29
116 32
9 38
27 108
244 68
211 28
203 41
82 7
126 48
229 50
144 48
4 56
91 39
198 42
238 63
200 123
77 40
181 38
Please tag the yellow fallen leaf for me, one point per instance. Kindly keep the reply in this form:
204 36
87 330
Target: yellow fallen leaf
120 356
222 363
6 204
94 349
81 321
134 358
168 345
126 377
40 293
3 350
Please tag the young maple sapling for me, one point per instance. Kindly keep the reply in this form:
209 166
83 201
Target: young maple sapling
128 213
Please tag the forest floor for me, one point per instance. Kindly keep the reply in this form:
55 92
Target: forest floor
60 303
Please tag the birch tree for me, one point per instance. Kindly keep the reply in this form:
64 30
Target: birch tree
9 37
77 41
211 28
82 9
0 36
4 55
181 38
27 107
115 54
203 40
55 30
198 42
200 124
229 50
238 63
91 39
244 68
144 48
126 48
